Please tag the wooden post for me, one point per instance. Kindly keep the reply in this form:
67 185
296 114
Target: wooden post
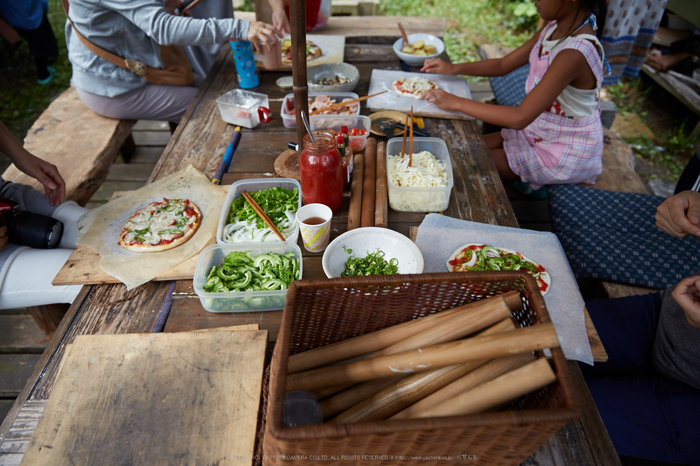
297 10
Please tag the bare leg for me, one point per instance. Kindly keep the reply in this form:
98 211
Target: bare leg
494 140
499 158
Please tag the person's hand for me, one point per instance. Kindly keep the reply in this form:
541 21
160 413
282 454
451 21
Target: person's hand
47 174
3 237
679 215
172 5
442 99
438 66
687 295
280 21
260 34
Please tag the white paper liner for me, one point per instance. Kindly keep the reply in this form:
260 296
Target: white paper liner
99 229
439 236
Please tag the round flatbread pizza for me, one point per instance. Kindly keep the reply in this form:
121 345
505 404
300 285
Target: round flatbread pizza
160 226
413 87
482 257
313 51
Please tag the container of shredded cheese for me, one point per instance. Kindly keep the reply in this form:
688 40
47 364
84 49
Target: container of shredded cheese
426 185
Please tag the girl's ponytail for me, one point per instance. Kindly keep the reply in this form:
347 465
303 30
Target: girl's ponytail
600 9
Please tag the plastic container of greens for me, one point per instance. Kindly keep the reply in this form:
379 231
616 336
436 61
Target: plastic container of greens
240 301
251 185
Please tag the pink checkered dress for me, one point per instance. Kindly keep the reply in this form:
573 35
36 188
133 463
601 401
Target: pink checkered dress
555 149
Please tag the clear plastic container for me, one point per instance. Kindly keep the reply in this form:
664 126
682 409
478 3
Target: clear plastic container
420 199
244 108
335 122
235 301
256 184
289 119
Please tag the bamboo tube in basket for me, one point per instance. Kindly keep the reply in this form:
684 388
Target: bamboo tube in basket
355 208
498 391
374 341
483 374
391 398
368 183
522 340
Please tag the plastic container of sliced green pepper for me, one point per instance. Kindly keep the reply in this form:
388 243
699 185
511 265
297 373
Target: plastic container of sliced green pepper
246 277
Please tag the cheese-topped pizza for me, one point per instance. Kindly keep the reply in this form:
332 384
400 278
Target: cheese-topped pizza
160 226
313 51
413 87
481 257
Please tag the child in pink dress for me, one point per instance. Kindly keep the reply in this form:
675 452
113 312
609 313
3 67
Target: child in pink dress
555 135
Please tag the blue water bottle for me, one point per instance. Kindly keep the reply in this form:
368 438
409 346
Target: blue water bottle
245 63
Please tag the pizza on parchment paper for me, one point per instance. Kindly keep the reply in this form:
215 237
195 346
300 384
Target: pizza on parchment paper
413 87
480 257
313 51
160 226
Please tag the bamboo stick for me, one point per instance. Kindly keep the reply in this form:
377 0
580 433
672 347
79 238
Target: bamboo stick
409 390
485 373
374 341
410 141
381 209
526 339
355 208
368 184
498 391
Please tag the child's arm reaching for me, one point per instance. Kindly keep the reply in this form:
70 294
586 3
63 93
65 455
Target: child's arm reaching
493 67
568 67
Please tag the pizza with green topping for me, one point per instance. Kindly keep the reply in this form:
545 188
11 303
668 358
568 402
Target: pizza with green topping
160 226
482 257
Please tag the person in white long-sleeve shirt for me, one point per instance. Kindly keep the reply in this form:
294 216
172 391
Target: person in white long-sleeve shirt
135 29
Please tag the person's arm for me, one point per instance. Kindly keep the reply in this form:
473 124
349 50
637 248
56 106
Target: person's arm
45 172
492 67
567 66
687 295
279 16
679 215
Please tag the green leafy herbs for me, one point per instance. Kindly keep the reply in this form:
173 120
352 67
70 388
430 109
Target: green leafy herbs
245 225
372 264
241 272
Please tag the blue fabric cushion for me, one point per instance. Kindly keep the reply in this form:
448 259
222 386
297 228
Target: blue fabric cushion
510 89
613 236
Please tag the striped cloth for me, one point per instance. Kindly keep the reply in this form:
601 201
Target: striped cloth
630 26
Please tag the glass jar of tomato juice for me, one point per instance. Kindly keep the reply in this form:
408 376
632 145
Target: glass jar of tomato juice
320 168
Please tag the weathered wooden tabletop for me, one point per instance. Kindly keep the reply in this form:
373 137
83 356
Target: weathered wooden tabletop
201 140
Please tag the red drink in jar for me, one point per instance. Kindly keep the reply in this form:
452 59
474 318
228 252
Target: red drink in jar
320 167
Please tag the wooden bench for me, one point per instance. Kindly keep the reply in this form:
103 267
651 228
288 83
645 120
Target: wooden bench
83 145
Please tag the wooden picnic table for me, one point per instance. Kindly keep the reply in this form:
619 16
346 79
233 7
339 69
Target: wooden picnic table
201 139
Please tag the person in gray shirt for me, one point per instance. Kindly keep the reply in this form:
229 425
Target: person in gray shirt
135 29
648 392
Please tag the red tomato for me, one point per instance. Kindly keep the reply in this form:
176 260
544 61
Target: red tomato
354 132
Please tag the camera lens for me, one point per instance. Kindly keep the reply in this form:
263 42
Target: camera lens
33 230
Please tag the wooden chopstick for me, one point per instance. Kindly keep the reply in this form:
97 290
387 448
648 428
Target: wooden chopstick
190 6
344 104
410 141
259 210
405 133
403 34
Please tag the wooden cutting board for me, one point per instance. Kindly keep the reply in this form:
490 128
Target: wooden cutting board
156 399
332 51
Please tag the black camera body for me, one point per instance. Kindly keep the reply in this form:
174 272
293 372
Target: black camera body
27 228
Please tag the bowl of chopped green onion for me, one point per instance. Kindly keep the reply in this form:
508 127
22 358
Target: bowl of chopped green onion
371 251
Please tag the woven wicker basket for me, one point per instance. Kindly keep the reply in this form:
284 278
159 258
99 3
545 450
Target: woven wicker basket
320 312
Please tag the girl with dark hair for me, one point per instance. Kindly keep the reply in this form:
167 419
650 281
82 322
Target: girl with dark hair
555 135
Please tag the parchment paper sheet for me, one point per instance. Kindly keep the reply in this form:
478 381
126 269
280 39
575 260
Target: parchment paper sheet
383 80
439 236
99 229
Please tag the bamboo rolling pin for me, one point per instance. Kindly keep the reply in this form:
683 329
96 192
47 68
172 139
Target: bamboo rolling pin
344 400
483 374
355 208
381 208
522 340
368 183
498 391
347 399
401 393
374 341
